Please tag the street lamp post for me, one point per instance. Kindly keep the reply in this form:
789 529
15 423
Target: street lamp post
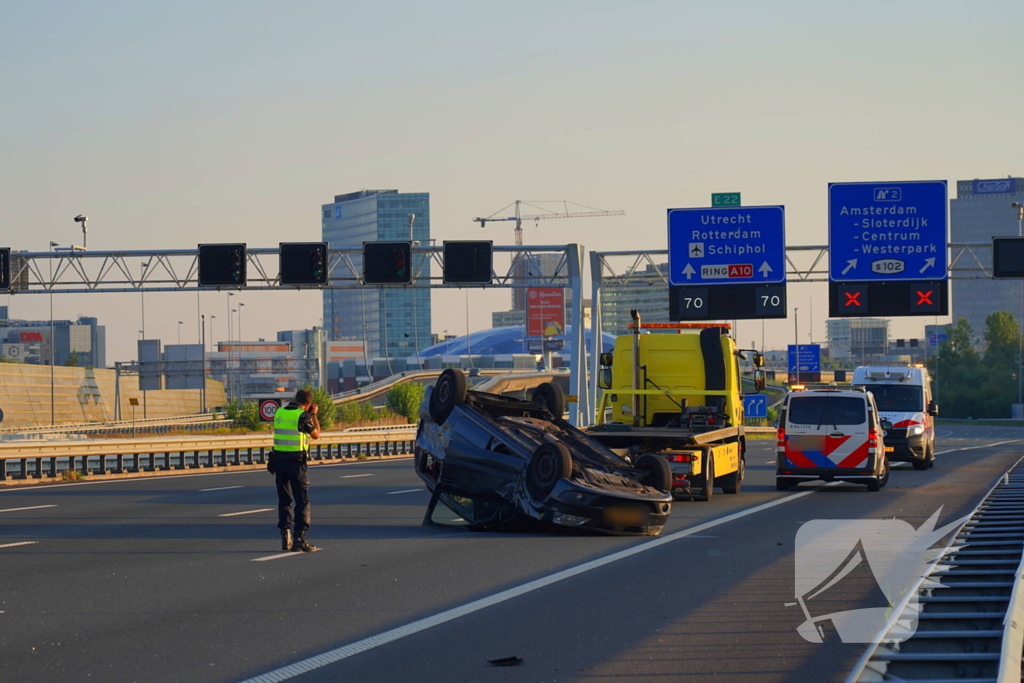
142 297
53 403
1020 320
240 321
179 332
796 343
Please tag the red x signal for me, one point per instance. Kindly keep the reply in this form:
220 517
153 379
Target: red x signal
852 298
924 299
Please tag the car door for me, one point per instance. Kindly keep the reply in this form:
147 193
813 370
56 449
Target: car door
826 431
477 464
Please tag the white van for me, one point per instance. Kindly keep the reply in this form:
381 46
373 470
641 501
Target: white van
904 398
830 435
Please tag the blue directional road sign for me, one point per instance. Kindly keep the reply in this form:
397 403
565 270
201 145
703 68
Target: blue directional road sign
727 245
887 231
755 406
805 358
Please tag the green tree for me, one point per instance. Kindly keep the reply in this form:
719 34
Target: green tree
328 411
367 411
348 412
72 361
405 399
246 415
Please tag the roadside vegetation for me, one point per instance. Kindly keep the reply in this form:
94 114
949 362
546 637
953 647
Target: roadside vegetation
978 384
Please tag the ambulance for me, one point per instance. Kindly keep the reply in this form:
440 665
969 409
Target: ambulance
903 394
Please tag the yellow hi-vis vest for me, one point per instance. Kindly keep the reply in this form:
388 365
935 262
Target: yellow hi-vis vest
287 437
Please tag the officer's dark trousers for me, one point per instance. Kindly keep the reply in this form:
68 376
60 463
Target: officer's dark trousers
292 486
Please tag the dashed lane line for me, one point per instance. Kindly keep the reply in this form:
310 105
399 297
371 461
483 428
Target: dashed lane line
245 512
338 654
14 545
221 488
34 507
971 448
354 476
275 557
393 493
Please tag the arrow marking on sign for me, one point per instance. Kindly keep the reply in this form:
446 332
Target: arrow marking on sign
850 265
764 269
928 263
688 271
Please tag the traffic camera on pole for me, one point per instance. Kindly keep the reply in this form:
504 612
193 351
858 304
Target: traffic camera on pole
387 263
222 265
303 263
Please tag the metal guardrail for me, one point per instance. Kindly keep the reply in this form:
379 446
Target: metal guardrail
42 460
115 425
970 620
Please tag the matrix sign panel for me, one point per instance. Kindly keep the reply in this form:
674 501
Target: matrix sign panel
468 262
886 299
1008 257
387 263
5 268
727 245
887 231
727 302
303 263
222 265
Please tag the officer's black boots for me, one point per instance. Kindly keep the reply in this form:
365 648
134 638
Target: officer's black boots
301 545
286 539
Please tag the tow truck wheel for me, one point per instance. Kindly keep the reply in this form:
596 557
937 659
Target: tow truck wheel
550 462
659 474
449 392
551 397
709 481
732 483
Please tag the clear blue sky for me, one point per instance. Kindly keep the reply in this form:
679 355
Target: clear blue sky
174 124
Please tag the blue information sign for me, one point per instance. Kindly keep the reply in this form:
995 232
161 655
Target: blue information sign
755 406
727 245
887 231
805 358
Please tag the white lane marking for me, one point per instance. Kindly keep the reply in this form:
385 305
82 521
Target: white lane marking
353 476
246 512
360 463
276 557
971 448
358 647
221 488
771 462
12 545
392 493
34 507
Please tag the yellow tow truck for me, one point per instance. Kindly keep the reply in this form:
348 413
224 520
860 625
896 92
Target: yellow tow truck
678 396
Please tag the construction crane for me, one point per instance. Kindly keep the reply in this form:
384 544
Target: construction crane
545 213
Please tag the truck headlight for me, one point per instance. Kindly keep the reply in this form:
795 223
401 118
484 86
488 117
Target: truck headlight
915 430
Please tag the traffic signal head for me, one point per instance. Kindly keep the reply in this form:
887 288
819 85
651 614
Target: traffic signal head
303 263
222 265
468 262
387 263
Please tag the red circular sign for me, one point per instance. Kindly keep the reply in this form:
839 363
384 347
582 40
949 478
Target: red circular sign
268 407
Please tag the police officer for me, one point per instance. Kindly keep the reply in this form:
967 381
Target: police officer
294 425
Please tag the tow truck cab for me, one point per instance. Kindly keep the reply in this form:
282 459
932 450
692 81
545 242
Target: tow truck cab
903 394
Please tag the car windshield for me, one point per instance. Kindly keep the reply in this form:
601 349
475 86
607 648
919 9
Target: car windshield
830 410
896 398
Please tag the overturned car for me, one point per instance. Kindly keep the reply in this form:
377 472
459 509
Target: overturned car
500 463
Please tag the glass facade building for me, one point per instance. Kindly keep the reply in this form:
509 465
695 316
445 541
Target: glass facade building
392 321
980 212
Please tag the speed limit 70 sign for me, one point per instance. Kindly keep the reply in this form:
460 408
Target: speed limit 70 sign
268 407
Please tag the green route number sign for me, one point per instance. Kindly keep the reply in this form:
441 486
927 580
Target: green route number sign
725 199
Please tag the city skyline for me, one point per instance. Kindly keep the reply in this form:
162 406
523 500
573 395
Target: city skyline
641 108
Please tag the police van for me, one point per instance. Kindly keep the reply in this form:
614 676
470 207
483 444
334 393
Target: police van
830 435
903 394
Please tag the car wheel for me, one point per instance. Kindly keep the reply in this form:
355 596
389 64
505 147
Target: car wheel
551 397
931 457
449 391
550 462
732 483
783 484
709 481
885 475
922 464
657 472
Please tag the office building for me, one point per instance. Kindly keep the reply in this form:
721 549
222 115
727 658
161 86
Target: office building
390 321
858 340
82 342
647 292
980 212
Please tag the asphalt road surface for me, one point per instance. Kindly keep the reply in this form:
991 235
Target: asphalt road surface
181 579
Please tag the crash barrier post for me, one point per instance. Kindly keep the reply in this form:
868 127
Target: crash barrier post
47 460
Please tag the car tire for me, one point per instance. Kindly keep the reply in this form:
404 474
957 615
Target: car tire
709 481
922 464
550 397
449 391
659 473
550 462
885 476
784 484
732 483
931 457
